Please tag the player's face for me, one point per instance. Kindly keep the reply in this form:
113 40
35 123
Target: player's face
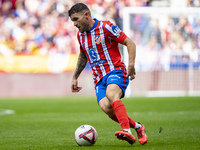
80 21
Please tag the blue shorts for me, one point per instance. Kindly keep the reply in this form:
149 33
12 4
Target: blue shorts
115 77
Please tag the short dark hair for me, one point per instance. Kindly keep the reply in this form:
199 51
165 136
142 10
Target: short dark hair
79 7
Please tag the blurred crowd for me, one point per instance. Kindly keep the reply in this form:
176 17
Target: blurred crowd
43 26
166 41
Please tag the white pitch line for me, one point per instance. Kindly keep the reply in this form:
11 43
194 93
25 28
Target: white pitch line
166 113
6 112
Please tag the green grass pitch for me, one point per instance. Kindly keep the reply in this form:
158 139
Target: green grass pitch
50 123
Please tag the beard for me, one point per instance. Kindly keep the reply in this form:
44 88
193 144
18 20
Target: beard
84 27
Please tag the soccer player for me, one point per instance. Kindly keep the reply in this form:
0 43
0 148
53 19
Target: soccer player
99 45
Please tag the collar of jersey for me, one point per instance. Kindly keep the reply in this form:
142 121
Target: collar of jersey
95 24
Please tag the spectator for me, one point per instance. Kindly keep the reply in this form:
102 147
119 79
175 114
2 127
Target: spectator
43 27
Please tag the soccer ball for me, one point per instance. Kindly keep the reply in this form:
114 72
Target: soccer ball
85 135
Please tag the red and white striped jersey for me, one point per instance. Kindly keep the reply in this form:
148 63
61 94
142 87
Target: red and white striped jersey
101 47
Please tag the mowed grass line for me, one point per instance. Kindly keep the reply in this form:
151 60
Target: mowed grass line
50 123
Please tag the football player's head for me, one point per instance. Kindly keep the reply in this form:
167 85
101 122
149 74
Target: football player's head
81 16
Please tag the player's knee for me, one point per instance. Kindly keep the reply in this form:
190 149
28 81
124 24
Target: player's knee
113 94
107 108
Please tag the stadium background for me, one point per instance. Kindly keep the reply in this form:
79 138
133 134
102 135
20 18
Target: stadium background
38 48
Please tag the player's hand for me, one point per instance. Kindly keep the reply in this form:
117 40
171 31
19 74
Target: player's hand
131 72
74 86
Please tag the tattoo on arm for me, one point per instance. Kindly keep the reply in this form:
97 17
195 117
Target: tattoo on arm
82 61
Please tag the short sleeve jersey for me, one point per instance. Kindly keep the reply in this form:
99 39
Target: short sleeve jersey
101 47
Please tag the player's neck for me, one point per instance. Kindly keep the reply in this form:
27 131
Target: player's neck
91 22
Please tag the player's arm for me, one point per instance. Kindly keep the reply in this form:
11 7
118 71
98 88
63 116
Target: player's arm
131 47
121 38
82 61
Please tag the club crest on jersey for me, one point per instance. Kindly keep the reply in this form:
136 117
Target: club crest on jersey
98 39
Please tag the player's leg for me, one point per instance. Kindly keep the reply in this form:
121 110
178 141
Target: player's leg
122 117
132 123
117 83
116 86
103 101
113 93
106 107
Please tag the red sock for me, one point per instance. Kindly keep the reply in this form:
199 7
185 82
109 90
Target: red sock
121 114
131 121
114 118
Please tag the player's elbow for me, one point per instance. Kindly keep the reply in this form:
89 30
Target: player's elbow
128 42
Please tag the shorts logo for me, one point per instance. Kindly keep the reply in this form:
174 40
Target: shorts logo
113 79
115 76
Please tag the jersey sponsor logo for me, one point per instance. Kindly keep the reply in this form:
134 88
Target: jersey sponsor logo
93 54
98 63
